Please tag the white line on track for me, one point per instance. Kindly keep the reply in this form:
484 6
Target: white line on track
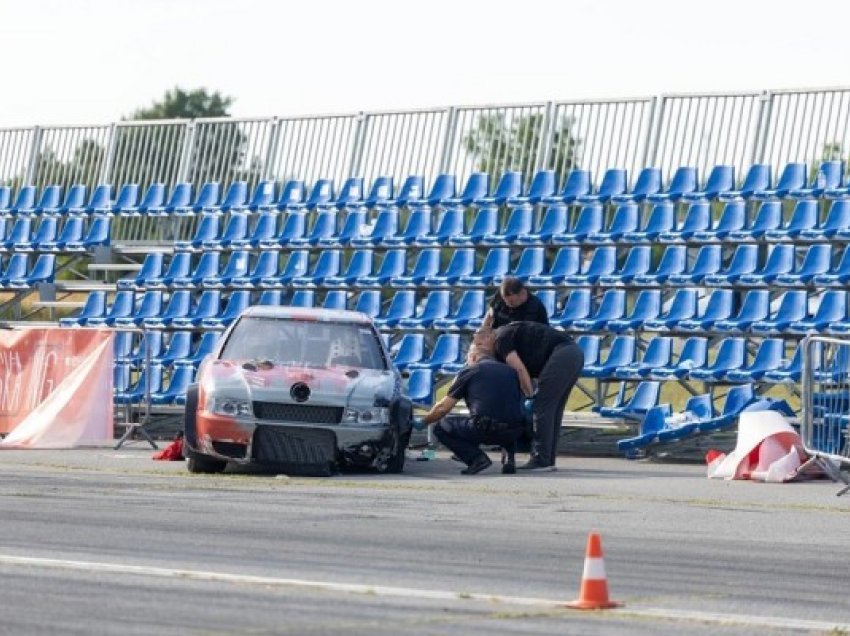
415 593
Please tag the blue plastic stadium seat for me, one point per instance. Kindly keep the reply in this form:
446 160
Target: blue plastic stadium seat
236 266
790 307
614 181
72 233
411 349
368 302
673 260
496 265
699 408
271 298
832 309
793 177
264 229
531 262
359 265
603 261
442 190
758 178
658 354
324 227
42 272
385 226
302 298
548 298
828 177
179 265
590 221
427 264
816 261
420 387
122 346
576 307
235 198
45 234
321 193
461 263
206 230
611 307
206 267
645 397
411 192
625 219
477 186
733 218
520 221
718 307
567 261
380 193
335 299
392 266
731 354
708 261
721 179
235 230
839 275
651 425
19 234
296 265
768 218
263 197
662 218
206 201
693 355
179 306
5 200
149 306
446 351
485 223
74 203
418 225
204 348
804 217
637 262
148 383
744 261
836 223
755 306
450 224
554 222
543 185
648 182
292 194
24 200
509 186
779 261
236 304
179 347
49 201
578 183
293 227
350 195
175 393
789 372
736 401
647 307
471 307
122 305
327 264
402 305
684 181
697 219
767 358
94 307
437 305
152 201
590 346
683 306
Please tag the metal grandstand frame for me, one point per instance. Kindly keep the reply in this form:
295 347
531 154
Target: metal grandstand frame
772 126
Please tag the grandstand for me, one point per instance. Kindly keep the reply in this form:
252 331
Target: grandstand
688 268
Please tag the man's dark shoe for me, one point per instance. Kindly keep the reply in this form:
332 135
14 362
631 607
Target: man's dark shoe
536 464
508 463
478 464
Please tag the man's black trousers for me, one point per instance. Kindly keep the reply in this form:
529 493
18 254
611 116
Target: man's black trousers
461 436
554 384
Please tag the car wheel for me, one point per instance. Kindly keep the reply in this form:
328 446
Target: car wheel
204 465
395 464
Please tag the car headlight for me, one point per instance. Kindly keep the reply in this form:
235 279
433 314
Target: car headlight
231 407
374 416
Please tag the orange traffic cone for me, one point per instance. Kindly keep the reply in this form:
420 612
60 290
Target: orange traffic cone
594 584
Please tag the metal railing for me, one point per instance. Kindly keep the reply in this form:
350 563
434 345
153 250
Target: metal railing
826 404
774 127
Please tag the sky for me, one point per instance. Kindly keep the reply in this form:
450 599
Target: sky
94 61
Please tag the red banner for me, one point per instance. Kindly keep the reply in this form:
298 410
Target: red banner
55 387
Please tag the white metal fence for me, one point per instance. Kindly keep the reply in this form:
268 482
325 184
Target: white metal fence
668 131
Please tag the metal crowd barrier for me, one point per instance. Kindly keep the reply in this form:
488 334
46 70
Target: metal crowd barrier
826 405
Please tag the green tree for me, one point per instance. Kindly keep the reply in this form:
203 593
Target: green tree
180 104
498 145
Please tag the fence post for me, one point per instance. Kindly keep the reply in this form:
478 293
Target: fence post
106 170
448 144
271 151
356 160
186 153
547 132
29 177
762 123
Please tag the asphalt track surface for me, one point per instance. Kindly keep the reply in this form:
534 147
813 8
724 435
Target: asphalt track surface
97 541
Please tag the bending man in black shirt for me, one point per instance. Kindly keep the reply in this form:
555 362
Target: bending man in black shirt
492 394
513 302
555 360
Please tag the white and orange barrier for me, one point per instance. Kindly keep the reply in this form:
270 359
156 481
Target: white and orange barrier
55 388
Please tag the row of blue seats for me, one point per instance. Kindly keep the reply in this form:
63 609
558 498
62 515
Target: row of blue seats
18 272
554 228
151 382
577 187
783 265
164 348
74 234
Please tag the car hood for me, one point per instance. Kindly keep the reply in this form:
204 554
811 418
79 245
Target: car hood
333 386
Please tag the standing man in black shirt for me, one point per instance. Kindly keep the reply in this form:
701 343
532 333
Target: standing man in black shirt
513 302
539 352
493 397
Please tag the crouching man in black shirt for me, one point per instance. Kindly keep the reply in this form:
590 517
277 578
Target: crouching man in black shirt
539 352
513 302
492 393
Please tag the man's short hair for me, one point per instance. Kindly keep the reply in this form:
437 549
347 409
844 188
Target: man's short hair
511 286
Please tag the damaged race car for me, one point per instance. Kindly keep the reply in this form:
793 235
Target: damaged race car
306 391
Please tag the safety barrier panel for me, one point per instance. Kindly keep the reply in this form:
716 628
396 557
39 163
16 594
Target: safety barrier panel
826 404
